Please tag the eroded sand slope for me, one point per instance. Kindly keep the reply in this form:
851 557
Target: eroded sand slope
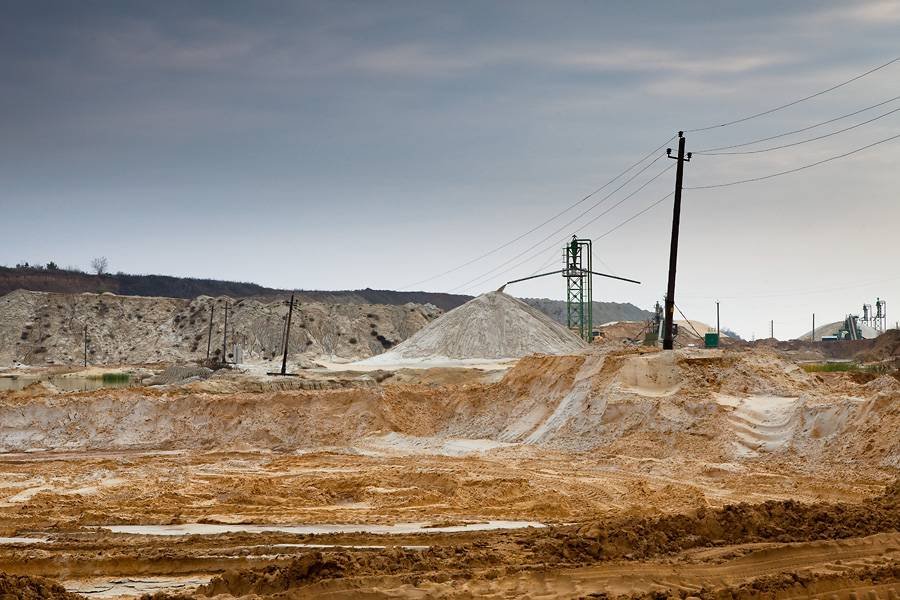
728 405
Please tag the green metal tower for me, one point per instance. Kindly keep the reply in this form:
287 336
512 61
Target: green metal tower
578 270
579 293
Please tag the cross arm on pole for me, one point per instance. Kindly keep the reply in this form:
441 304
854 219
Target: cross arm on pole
500 289
615 277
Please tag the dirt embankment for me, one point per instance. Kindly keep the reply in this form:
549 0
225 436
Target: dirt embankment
724 406
23 587
885 347
875 582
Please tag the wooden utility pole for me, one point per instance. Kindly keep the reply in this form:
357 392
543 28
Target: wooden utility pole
85 345
287 336
212 308
225 336
668 340
814 327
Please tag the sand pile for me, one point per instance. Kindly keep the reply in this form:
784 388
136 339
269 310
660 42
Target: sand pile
39 328
491 326
180 374
885 347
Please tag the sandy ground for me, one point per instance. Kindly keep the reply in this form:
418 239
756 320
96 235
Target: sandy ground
630 466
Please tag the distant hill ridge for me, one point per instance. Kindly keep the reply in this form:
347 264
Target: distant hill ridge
75 282
604 312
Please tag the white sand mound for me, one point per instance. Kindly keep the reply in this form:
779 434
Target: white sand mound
491 326
695 329
868 333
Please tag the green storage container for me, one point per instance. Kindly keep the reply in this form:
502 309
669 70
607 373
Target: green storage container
711 340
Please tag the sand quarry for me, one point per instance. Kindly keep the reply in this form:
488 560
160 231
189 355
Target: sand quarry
490 455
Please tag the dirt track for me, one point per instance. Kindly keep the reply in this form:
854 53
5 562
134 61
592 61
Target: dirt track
817 547
629 458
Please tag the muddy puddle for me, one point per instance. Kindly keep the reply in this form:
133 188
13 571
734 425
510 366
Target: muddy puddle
22 540
128 586
397 528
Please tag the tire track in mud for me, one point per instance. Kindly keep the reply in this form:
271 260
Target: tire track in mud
623 556
837 564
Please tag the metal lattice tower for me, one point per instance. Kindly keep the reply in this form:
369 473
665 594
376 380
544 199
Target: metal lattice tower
577 270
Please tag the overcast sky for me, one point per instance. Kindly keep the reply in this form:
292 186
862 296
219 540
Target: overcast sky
338 145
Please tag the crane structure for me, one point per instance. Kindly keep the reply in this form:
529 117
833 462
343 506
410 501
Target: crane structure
578 271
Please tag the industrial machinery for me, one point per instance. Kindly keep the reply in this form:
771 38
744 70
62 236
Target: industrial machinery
850 330
655 327
875 317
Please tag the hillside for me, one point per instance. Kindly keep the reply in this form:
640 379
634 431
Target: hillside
604 312
46 328
123 284
165 286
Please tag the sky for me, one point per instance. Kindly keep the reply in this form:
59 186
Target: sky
345 145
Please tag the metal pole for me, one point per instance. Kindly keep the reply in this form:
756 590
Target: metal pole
85 345
287 336
225 336
212 308
772 329
668 341
814 327
718 332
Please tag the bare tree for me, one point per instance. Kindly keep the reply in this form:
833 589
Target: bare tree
99 265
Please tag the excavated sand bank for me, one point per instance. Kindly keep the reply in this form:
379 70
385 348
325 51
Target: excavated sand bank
733 405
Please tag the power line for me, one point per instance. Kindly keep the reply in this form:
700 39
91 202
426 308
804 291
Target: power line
770 176
562 227
801 130
563 240
691 325
484 277
619 226
532 230
634 216
802 292
806 141
798 101
500 267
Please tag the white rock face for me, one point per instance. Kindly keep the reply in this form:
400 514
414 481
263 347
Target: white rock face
39 328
